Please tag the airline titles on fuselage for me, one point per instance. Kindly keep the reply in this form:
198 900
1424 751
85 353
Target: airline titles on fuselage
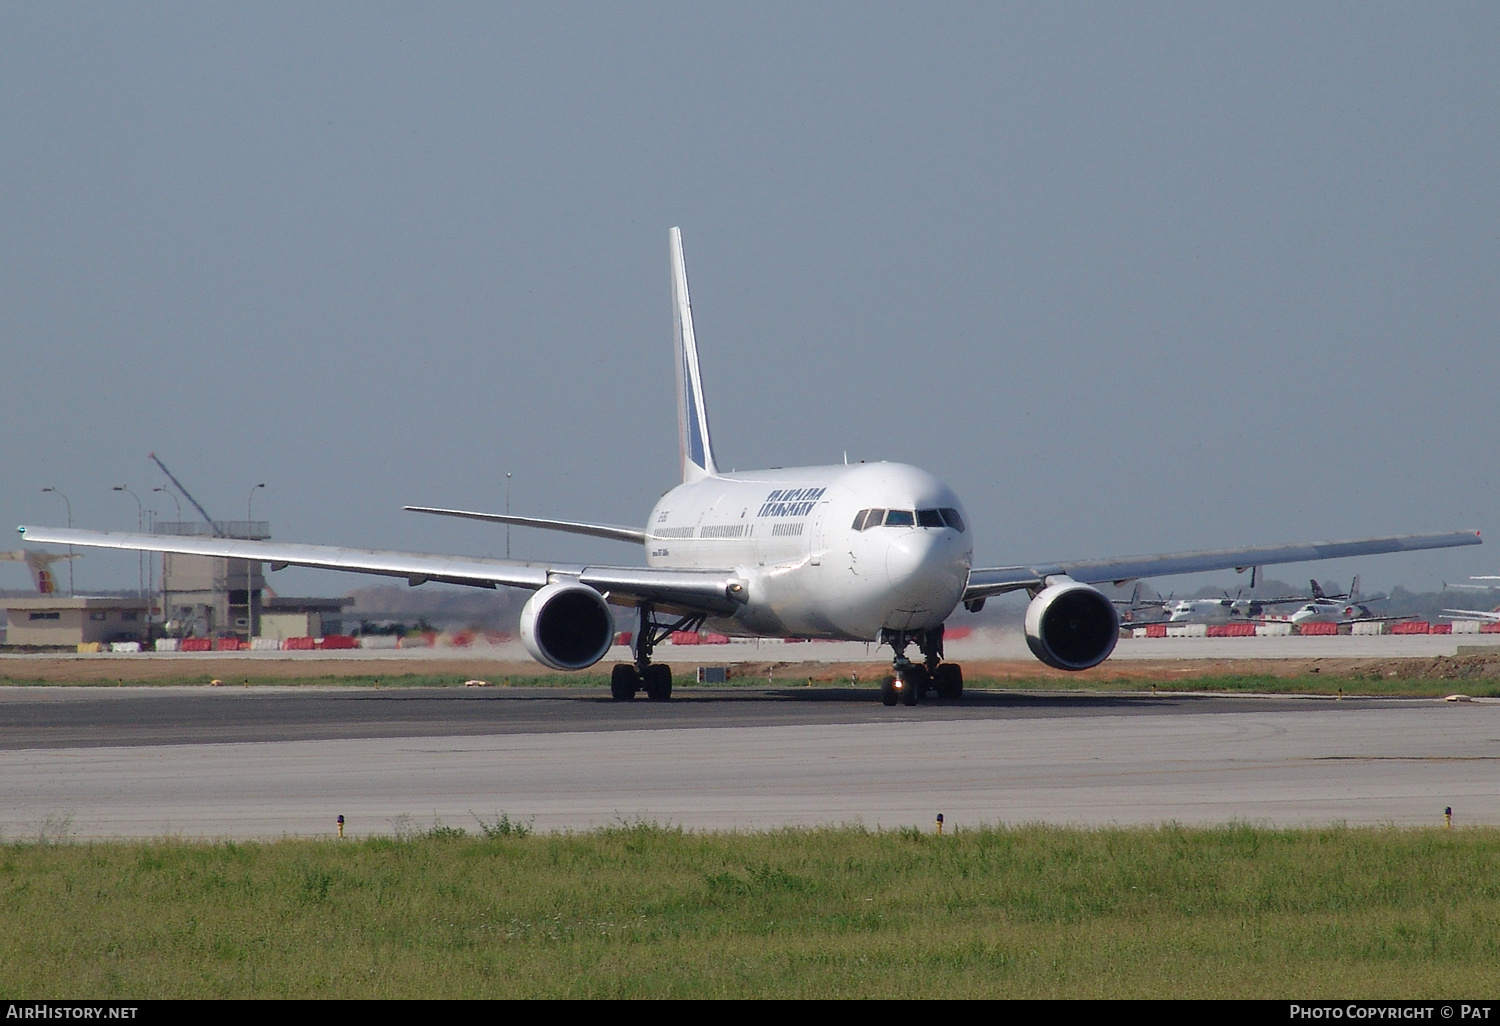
790 502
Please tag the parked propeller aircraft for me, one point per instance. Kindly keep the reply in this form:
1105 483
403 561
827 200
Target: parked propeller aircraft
865 552
1349 607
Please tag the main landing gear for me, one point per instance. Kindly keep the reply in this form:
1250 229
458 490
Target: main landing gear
910 681
644 675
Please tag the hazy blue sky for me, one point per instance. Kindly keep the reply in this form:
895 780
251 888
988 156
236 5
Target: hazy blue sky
1131 278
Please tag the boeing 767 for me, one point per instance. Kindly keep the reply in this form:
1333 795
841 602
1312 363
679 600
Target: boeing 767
864 552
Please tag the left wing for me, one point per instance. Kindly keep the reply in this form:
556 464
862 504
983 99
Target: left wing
614 532
698 591
998 580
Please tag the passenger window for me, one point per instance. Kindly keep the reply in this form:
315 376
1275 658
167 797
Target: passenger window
954 520
900 518
875 518
929 518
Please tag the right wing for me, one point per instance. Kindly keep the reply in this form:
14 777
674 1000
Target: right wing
695 591
998 580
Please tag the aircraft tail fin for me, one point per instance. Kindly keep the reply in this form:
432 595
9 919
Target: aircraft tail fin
692 412
1316 590
1354 589
40 565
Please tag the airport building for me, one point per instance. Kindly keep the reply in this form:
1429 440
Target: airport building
211 596
61 620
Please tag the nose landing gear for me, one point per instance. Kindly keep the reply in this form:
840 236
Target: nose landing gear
909 682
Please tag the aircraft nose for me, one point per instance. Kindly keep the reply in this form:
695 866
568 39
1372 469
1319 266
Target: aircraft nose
908 555
928 568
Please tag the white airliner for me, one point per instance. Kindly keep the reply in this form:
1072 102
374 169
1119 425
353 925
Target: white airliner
863 552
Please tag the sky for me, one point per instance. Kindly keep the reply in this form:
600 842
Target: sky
1130 278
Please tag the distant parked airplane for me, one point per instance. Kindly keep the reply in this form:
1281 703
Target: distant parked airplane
40 565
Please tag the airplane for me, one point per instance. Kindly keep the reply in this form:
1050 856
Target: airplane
1491 615
40 565
1201 610
1349 607
877 552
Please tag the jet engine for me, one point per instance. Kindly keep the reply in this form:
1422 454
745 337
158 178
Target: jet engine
567 626
1072 626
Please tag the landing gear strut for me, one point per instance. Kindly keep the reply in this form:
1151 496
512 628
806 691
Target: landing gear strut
909 681
653 678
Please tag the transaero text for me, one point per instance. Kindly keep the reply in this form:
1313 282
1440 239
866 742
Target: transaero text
790 502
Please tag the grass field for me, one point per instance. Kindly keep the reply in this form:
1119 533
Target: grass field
641 911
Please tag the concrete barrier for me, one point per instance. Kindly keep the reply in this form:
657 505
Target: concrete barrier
168 644
265 644
379 641
1273 630
1368 627
1467 626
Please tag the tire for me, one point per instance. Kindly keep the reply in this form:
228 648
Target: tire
888 691
910 692
658 682
948 678
919 679
623 682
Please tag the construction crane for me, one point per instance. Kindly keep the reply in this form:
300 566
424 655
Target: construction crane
212 526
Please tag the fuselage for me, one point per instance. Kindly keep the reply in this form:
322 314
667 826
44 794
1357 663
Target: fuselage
818 559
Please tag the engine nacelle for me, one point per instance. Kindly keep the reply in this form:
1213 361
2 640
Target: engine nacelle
1072 626
567 626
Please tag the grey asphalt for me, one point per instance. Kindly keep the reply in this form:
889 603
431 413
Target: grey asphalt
263 763
65 717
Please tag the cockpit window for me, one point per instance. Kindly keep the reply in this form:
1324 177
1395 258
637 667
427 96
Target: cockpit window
929 518
900 518
875 519
859 519
954 520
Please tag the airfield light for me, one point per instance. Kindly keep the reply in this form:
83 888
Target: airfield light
341 825
940 824
1448 817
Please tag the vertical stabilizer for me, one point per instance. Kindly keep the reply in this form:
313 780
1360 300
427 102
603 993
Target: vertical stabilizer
692 413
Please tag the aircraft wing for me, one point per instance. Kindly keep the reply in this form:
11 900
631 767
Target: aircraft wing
998 580
1471 614
613 532
708 591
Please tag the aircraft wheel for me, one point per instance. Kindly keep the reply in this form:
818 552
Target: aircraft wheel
910 691
918 680
948 678
658 682
888 693
623 682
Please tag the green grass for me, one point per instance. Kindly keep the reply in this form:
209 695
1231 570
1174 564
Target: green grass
641 911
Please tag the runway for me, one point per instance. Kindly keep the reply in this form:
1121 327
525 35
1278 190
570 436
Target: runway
270 762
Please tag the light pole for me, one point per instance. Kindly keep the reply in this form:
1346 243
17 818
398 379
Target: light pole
507 513
70 527
173 497
166 605
140 517
249 565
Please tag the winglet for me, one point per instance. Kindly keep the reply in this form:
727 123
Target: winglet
692 413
